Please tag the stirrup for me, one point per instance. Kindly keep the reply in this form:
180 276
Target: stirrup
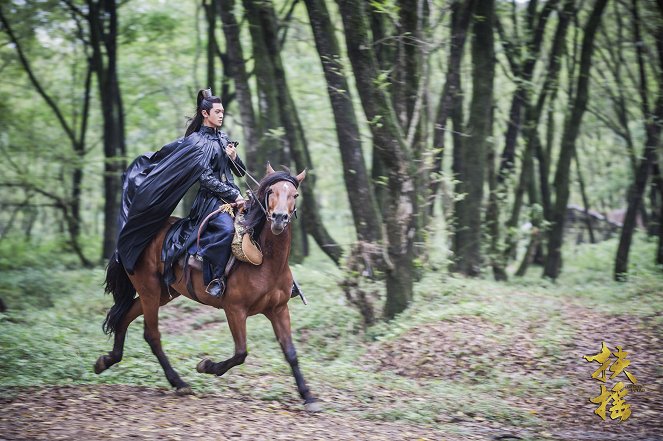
222 287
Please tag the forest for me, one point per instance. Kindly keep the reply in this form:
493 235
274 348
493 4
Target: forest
459 154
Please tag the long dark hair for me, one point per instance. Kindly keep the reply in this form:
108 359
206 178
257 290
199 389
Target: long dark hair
204 101
254 220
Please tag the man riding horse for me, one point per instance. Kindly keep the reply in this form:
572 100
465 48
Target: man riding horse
154 184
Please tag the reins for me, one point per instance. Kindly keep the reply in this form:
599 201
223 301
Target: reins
255 181
227 207
223 208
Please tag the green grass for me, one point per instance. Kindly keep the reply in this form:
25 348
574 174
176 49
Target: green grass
52 336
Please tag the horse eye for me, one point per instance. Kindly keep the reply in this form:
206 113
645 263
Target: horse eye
296 195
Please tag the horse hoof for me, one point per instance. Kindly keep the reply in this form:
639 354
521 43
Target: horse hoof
313 407
204 365
100 365
184 390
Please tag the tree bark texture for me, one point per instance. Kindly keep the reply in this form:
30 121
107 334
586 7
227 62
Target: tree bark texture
399 215
237 70
461 12
102 19
653 120
572 125
294 133
365 213
467 251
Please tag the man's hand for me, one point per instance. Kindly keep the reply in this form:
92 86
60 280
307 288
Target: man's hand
231 150
241 203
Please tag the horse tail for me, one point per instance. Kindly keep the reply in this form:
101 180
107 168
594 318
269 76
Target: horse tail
117 283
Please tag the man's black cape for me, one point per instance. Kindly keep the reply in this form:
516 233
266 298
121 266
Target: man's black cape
153 185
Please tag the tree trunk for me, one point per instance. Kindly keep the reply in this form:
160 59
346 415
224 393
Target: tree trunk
658 184
530 132
524 71
294 134
653 120
585 200
571 129
102 18
210 17
271 145
366 216
533 112
237 70
467 252
461 13
385 53
394 153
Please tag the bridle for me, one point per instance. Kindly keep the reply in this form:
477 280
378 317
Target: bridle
264 207
229 206
268 215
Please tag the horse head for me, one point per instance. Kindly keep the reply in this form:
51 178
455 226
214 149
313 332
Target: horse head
280 198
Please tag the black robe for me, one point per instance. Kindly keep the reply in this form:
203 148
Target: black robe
155 183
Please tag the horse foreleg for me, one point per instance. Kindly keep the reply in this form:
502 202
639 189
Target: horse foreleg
115 356
151 303
237 324
280 319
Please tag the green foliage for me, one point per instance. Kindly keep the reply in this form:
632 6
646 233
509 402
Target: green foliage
149 27
387 7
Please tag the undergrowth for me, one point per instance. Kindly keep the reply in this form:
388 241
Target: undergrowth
51 335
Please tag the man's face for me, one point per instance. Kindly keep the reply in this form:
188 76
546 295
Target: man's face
215 115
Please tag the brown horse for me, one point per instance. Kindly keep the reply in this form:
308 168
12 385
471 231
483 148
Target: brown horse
263 289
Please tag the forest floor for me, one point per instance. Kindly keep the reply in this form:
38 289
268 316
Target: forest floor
469 360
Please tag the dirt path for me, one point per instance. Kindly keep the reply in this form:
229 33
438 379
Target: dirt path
443 349
129 412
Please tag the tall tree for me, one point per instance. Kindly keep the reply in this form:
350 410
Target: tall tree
209 6
653 118
366 216
237 69
293 130
572 125
69 205
451 97
270 143
534 108
522 57
395 154
467 210
102 19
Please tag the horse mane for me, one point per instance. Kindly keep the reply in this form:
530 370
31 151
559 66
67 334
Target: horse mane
254 219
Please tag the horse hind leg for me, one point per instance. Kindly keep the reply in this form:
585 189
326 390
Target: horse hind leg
150 299
115 356
237 324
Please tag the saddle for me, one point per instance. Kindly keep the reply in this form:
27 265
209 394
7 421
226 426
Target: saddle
243 246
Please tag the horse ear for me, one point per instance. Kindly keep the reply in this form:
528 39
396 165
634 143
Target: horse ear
300 177
269 169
